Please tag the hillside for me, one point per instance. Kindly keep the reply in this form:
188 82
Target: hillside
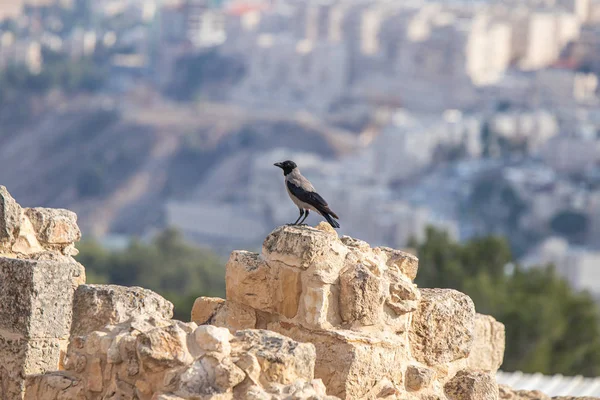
116 163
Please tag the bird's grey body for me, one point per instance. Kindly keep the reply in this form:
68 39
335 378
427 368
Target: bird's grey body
295 178
304 195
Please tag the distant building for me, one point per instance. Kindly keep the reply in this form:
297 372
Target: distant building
20 52
10 9
489 49
285 74
559 151
412 142
547 35
564 87
532 129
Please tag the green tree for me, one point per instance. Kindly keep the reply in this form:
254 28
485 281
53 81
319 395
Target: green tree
168 265
550 328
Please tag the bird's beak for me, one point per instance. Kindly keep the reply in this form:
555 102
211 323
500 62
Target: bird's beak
278 164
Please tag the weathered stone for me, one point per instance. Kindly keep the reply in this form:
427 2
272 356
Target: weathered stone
53 386
209 376
472 385
403 295
508 393
362 294
383 389
488 345
282 360
95 306
289 289
249 281
418 377
36 296
10 216
405 263
212 339
325 227
235 316
250 365
26 243
351 363
21 357
205 308
442 327
302 390
166 397
301 247
94 376
54 226
163 348
318 307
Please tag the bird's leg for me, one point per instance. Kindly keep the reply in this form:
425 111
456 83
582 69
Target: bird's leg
305 216
301 214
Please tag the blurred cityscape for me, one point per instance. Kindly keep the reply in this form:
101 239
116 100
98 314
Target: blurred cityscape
478 117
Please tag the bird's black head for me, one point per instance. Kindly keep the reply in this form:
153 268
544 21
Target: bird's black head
287 166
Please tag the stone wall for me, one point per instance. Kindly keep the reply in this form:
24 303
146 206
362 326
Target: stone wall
314 316
61 339
38 278
376 334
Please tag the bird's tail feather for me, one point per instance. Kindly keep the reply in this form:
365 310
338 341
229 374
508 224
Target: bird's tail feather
331 221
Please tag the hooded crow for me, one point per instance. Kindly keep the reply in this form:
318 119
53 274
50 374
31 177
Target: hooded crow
303 194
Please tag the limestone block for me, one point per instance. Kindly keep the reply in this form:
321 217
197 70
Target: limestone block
418 377
22 356
26 243
205 308
303 390
209 376
352 363
163 348
227 314
282 360
213 339
304 247
472 385
235 316
288 291
249 281
403 262
403 296
488 345
54 226
319 308
10 216
36 296
442 327
362 295
95 381
54 386
95 306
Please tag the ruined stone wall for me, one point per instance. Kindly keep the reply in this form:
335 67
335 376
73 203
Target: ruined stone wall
314 316
376 334
37 280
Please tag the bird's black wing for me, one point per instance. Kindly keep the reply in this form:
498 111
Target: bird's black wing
312 198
